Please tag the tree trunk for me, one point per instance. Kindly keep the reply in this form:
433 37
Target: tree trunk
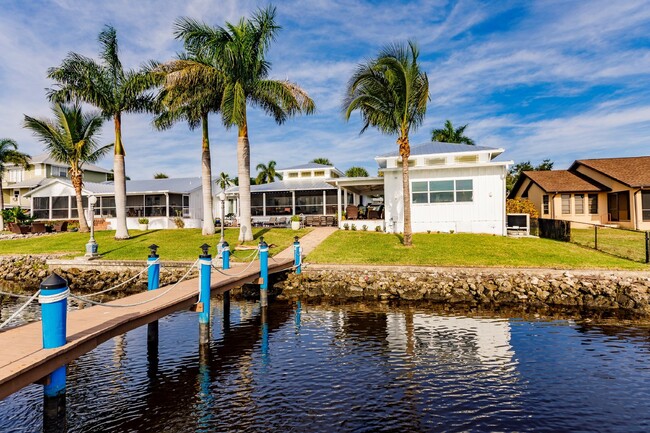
206 180
2 206
119 182
405 152
77 182
244 173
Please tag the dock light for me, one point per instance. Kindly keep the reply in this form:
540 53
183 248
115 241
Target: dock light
205 248
153 250
91 246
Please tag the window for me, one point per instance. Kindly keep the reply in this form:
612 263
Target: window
59 171
466 159
319 174
15 175
436 161
645 205
579 203
566 204
305 174
41 209
442 191
293 175
545 209
16 194
592 202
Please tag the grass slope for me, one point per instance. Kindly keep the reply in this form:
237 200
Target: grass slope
174 244
462 250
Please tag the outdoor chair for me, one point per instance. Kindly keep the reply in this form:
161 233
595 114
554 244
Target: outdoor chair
19 229
38 228
282 222
330 221
352 212
60 226
272 222
309 221
323 221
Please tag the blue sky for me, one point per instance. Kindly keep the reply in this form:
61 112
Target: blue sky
550 79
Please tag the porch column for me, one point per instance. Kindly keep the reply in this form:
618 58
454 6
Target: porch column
50 206
293 202
263 204
167 204
324 202
70 208
339 213
237 206
345 198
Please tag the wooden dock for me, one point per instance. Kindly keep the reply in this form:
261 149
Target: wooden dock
23 360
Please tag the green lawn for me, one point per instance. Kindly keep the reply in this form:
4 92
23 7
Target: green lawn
623 243
347 247
174 244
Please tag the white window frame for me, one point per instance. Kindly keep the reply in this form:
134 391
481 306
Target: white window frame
454 191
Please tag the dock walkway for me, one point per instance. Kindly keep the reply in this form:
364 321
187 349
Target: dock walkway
24 361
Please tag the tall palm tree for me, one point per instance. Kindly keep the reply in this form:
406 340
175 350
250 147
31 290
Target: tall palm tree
323 161
113 90
391 93
71 138
241 48
192 88
267 173
450 135
9 154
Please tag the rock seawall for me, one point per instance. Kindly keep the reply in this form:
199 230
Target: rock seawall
25 273
601 290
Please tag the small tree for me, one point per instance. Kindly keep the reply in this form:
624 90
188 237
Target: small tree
516 170
267 173
160 176
323 161
450 135
356 172
9 155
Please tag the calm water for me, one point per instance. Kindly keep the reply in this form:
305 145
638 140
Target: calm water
355 369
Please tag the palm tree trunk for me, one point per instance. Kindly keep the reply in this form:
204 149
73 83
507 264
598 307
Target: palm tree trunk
2 207
244 172
77 182
119 181
206 180
405 152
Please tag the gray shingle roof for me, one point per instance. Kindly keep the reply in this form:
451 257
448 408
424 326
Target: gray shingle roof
288 185
308 166
435 147
44 158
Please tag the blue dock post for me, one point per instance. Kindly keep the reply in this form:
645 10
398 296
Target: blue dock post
54 306
297 258
205 268
153 282
265 336
264 272
225 255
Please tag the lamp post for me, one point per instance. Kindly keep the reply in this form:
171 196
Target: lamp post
91 246
222 198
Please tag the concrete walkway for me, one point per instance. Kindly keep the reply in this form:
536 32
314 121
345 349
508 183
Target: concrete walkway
309 242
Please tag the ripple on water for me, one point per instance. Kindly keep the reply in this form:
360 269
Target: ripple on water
343 368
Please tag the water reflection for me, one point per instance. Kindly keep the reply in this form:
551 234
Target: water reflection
307 367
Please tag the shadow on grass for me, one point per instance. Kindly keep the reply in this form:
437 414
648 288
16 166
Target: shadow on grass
400 238
260 233
145 233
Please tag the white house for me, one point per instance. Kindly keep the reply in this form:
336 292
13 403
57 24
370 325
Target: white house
454 187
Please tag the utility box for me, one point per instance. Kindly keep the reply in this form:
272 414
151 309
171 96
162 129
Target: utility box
518 224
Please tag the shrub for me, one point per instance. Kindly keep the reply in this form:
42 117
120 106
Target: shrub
354 228
179 222
346 226
521 205
364 227
295 218
143 220
378 229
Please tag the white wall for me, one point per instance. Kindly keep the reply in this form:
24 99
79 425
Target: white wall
485 214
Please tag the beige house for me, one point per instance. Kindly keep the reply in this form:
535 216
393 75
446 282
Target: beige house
614 191
17 181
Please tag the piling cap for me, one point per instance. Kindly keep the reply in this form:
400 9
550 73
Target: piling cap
153 250
53 282
295 239
225 245
262 243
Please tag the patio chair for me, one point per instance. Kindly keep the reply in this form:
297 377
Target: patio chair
352 212
323 221
61 226
282 222
330 221
272 222
38 228
309 221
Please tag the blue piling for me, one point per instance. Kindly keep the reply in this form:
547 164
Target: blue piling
297 259
54 306
225 255
153 271
264 272
205 267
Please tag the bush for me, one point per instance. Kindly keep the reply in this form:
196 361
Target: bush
179 222
378 229
354 228
143 220
364 227
16 215
521 205
295 218
346 226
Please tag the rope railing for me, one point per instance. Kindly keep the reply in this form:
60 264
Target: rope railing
20 310
15 295
161 294
243 270
124 282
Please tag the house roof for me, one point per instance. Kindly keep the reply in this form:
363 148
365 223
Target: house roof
560 181
44 158
632 171
287 185
436 147
308 166
178 186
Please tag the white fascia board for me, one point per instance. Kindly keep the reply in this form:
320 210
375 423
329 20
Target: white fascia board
444 167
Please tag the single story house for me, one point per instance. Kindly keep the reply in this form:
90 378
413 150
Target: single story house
612 191
159 200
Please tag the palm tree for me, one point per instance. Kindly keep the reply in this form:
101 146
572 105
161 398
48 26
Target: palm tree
450 135
391 92
71 138
160 176
241 48
225 181
267 173
113 90
9 154
356 172
323 161
192 88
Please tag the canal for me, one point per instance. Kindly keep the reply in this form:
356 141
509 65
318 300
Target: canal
354 368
